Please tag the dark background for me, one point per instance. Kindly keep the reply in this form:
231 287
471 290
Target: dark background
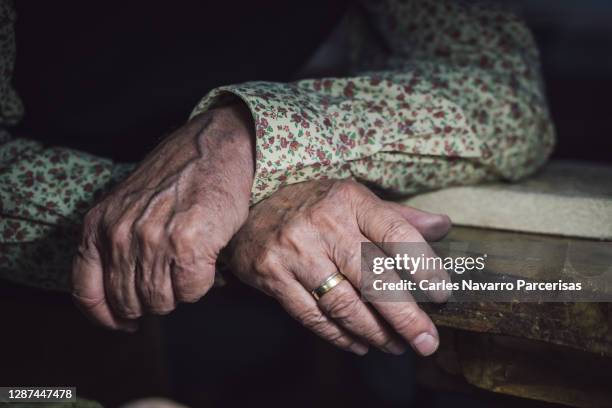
113 77
575 40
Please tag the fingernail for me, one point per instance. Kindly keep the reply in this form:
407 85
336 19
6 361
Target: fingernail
395 348
359 349
425 344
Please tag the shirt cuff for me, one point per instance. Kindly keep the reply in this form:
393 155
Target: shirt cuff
318 129
294 137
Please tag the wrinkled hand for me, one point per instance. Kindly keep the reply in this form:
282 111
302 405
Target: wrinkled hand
154 240
306 232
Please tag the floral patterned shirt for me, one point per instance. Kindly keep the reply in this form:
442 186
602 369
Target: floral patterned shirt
440 93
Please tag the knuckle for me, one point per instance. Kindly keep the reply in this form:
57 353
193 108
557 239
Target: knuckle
183 275
378 337
185 239
191 283
347 190
295 228
120 304
182 279
120 233
274 282
348 187
325 216
87 302
127 311
147 294
398 230
347 257
124 309
157 301
343 306
407 321
130 314
147 232
193 293
351 253
266 262
338 339
185 231
293 234
314 320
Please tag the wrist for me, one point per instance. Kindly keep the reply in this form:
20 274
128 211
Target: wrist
227 142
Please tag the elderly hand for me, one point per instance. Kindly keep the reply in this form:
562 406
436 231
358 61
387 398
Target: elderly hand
154 240
306 232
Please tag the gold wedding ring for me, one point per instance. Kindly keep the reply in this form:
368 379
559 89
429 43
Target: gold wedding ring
328 285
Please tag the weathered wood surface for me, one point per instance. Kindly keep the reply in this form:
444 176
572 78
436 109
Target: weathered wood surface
583 326
565 198
554 352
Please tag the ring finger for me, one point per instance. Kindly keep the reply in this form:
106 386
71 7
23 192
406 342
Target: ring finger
343 305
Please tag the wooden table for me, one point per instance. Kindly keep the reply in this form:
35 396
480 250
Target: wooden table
555 352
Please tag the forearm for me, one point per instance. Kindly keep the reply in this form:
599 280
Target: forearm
45 192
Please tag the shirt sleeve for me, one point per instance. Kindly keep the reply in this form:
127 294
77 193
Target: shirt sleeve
443 93
44 194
